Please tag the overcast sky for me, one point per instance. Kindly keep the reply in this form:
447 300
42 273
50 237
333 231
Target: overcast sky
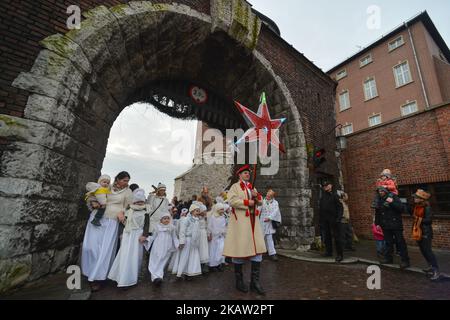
327 32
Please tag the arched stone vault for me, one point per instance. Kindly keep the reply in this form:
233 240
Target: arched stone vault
79 84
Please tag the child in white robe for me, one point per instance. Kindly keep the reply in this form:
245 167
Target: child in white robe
204 248
176 254
270 211
126 266
187 261
165 242
217 228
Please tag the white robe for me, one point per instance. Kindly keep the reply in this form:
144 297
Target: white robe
165 242
127 265
99 248
270 210
204 247
217 228
187 260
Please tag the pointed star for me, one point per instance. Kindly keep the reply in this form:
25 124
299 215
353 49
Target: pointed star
261 123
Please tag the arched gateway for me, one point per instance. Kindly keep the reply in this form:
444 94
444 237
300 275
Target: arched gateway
80 81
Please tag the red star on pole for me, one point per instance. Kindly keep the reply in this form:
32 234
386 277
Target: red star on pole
261 125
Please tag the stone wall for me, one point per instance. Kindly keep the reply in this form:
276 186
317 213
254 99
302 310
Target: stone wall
214 176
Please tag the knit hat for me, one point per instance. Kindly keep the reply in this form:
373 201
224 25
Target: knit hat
161 186
184 211
193 207
92 187
386 173
219 206
203 208
104 177
421 194
139 195
164 215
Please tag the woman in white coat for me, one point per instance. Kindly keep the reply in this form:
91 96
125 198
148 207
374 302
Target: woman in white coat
270 212
100 243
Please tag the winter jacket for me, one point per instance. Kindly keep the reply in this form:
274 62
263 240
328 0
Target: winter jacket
330 208
391 213
427 221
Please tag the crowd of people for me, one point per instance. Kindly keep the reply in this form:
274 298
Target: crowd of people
387 227
186 239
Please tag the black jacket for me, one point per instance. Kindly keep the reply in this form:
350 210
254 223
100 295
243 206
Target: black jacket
330 208
391 213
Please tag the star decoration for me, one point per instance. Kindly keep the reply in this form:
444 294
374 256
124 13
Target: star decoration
262 127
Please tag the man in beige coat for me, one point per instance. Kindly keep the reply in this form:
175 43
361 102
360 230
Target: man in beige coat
244 239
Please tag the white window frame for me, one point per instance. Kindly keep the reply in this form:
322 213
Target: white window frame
363 64
373 116
341 109
408 104
344 71
364 89
350 125
402 42
397 85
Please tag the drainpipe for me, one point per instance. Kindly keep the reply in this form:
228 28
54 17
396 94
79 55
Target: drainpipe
418 66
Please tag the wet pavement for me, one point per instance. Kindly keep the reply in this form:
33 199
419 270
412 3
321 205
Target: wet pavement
288 279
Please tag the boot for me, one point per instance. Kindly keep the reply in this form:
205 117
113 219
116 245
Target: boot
435 276
205 268
254 284
404 265
239 278
339 258
273 257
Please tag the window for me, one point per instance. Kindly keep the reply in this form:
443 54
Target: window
396 43
409 108
347 129
402 74
365 61
370 89
344 100
341 74
440 196
375 120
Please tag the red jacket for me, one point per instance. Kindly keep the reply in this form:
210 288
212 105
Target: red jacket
388 184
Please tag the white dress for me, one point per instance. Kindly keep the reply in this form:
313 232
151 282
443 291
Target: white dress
99 248
204 246
100 242
127 265
187 261
217 228
165 242
270 210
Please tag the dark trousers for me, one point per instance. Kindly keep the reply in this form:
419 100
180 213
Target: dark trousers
395 236
330 230
427 252
347 235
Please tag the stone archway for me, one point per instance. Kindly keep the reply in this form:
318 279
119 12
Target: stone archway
79 84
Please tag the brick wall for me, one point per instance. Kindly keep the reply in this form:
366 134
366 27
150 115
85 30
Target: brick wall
416 149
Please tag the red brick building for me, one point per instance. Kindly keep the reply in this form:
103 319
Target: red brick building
393 102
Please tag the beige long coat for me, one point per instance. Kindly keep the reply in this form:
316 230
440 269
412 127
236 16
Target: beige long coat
244 237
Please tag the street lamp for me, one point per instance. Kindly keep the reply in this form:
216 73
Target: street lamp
341 140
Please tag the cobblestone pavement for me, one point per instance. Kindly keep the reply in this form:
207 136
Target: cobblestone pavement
288 279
